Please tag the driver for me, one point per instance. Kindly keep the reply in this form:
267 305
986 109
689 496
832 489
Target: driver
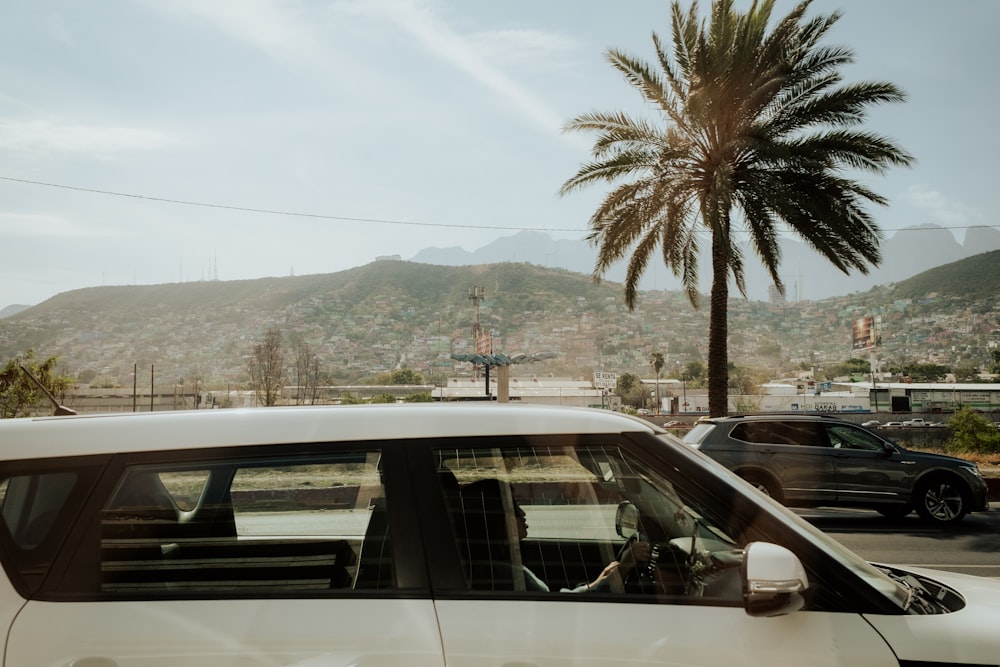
485 526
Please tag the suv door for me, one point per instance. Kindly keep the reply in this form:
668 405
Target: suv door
240 557
547 565
868 473
797 454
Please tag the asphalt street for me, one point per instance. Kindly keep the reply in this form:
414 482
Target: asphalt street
970 547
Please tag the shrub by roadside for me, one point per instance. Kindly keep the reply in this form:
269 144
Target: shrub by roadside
972 433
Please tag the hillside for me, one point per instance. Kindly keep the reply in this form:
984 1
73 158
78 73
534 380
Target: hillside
972 279
905 254
387 314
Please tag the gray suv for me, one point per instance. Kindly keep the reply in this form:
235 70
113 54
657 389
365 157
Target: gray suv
817 460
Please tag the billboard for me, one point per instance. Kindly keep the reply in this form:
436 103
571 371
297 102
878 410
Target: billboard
866 333
484 344
603 380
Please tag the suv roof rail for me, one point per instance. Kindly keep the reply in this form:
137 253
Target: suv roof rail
824 415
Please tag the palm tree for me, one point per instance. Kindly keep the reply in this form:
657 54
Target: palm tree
656 361
757 131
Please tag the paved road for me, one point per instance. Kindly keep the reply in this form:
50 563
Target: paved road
971 547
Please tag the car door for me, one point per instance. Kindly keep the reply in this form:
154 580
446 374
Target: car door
797 454
868 472
528 580
242 558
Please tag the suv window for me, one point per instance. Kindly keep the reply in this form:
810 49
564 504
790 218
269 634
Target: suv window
804 433
848 437
544 520
270 525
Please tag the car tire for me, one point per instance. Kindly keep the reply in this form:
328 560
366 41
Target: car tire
941 500
764 484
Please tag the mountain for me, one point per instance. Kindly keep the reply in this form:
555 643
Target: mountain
13 309
392 314
805 275
972 279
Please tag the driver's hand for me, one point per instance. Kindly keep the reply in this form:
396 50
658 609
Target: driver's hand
637 552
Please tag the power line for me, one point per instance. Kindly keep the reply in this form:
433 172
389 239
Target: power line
321 216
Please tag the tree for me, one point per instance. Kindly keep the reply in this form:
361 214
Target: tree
267 368
965 371
629 389
19 395
995 358
757 129
406 376
693 371
656 361
306 375
926 372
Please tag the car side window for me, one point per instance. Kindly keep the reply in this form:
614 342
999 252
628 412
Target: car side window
842 436
589 520
799 433
263 526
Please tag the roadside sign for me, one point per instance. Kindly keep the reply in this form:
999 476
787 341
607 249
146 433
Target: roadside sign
604 380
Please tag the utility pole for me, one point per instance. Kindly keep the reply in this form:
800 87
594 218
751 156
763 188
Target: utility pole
476 295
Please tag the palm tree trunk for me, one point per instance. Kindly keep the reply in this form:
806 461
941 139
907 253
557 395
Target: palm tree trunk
718 329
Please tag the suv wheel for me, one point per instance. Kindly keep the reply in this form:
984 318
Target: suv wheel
764 484
941 500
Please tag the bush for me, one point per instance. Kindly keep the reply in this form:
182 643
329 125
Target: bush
972 433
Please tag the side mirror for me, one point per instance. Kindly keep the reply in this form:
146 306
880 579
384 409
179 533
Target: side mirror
773 580
627 520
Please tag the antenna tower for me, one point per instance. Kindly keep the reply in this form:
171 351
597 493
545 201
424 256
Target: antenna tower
476 295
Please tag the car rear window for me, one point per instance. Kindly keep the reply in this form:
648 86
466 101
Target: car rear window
698 433
267 526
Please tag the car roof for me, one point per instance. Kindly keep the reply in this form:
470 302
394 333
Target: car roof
43 437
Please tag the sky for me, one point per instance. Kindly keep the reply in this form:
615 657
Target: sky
160 141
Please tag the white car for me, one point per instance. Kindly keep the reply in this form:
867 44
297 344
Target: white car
430 535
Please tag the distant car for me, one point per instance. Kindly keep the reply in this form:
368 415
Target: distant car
892 425
916 422
871 422
813 461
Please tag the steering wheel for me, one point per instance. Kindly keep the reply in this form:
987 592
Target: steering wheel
641 578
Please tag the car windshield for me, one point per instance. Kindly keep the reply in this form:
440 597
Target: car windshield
898 594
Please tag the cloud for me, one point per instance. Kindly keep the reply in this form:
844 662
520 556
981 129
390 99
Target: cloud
24 226
530 48
44 135
942 209
279 29
478 55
